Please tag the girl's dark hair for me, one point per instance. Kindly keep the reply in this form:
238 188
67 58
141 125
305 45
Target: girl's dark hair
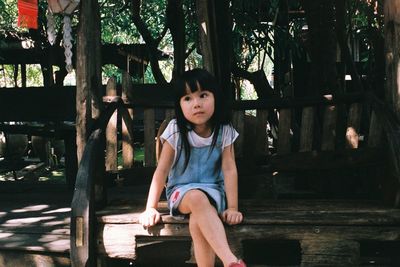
199 79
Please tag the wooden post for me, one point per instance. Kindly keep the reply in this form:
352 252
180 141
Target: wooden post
329 128
23 75
330 252
149 137
88 72
127 140
284 137
111 131
392 48
375 131
261 133
307 129
392 86
238 123
353 125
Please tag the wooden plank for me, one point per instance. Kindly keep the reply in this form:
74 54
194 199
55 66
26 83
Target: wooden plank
261 133
307 129
329 128
339 218
284 136
330 252
127 140
325 160
291 102
149 138
353 125
44 104
255 205
119 240
238 123
276 216
22 258
111 131
375 131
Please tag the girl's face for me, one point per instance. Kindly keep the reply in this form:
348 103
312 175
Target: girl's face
198 107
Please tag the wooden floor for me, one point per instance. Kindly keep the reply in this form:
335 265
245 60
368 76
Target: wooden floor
34 224
34 229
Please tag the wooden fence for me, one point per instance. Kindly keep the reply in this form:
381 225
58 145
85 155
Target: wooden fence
281 126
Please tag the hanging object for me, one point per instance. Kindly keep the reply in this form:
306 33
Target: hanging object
28 14
63 6
66 8
51 27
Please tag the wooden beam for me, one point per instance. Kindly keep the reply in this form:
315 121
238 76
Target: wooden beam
325 160
37 104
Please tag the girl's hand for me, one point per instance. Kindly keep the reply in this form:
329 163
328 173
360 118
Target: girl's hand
232 216
149 217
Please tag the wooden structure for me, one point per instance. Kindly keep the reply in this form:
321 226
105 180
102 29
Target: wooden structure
328 232
43 118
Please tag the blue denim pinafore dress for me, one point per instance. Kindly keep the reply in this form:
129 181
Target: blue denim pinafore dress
203 172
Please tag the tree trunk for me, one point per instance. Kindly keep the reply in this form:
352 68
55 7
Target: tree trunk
176 24
88 78
215 40
151 43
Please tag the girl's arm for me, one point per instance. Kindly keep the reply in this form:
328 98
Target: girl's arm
231 215
151 216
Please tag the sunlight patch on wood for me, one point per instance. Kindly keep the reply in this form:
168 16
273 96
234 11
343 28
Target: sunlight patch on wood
204 27
5 235
28 220
31 208
58 245
60 210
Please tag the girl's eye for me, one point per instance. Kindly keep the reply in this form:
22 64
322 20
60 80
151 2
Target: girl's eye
203 95
186 98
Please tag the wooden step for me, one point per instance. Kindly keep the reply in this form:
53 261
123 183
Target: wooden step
331 227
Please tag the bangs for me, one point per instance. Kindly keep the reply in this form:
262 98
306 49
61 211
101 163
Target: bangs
195 80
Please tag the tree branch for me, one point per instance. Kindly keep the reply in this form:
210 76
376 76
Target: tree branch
149 40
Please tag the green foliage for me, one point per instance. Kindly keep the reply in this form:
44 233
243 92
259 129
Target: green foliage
254 31
116 23
8 16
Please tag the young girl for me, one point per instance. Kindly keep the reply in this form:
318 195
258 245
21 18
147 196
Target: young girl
199 161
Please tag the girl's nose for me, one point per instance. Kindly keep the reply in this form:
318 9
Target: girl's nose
196 102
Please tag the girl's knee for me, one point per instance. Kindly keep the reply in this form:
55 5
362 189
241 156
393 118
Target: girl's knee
197 197
195 201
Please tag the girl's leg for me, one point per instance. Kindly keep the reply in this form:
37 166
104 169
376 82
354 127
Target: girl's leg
210 225
205 255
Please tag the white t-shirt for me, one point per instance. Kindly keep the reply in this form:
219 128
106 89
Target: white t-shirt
171 135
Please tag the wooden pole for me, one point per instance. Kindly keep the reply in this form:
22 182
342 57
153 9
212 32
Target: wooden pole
127 140
89 91
111 131
392 48
392 84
